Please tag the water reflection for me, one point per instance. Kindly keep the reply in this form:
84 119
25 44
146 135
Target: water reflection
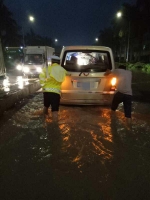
11 83
87 149
6 84
22 81
87 141
86 135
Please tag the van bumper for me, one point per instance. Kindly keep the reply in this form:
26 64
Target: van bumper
91 98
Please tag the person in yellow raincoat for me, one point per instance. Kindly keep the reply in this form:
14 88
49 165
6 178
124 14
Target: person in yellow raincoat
51 79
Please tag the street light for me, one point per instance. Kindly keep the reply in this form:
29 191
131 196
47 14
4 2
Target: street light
31 18
119 14
56 40
96 39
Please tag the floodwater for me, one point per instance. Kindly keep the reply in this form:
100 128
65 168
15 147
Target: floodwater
87 155
10 84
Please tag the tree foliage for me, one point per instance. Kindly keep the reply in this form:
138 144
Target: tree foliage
134 27
12 34
33 39
9 30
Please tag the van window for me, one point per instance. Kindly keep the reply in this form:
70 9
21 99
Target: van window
33 59
90 61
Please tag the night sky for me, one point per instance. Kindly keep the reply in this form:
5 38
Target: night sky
72 22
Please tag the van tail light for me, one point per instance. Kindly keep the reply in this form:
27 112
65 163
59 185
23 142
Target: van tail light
113 84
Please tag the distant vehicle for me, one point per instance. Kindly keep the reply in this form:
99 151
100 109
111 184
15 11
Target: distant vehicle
35 58
2 63
13 56
85 83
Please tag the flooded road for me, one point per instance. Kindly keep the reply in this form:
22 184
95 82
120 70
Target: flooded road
88 155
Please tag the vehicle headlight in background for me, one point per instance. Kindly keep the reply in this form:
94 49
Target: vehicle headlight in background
39 69
19 67
26 69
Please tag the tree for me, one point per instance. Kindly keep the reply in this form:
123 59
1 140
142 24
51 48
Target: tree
33 39
9 30
144 26
144 8
122 35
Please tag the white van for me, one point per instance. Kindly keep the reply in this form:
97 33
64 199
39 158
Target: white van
85 83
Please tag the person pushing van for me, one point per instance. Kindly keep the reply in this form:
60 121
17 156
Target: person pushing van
51 79
123 90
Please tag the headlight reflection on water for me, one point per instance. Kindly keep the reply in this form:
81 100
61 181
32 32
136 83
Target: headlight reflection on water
6 85
22 81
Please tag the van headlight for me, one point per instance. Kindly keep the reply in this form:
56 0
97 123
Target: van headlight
26 69
19 67
39 69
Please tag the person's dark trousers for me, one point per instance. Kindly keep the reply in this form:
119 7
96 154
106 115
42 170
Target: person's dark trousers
127 103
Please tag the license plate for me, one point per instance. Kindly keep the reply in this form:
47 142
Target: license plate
79 84
86 86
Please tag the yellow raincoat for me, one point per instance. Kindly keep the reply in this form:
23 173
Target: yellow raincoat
52 77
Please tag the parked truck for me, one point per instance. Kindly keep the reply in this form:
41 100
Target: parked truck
35 58
13 56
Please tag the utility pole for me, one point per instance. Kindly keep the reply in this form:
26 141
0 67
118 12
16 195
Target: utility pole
23 37
119 14
128 43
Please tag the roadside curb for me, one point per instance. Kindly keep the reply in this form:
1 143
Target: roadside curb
9 100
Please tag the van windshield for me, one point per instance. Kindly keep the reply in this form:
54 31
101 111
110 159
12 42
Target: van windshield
33 59
91 61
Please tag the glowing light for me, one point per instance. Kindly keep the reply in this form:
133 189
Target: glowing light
26 80
6 85
6 82
20 82
119 14
20 85
26 69
6 89
113 81
82 60
19 67
38 69
31 18
19 78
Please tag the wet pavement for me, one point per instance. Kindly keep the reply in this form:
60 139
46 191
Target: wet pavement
14 88
88 155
